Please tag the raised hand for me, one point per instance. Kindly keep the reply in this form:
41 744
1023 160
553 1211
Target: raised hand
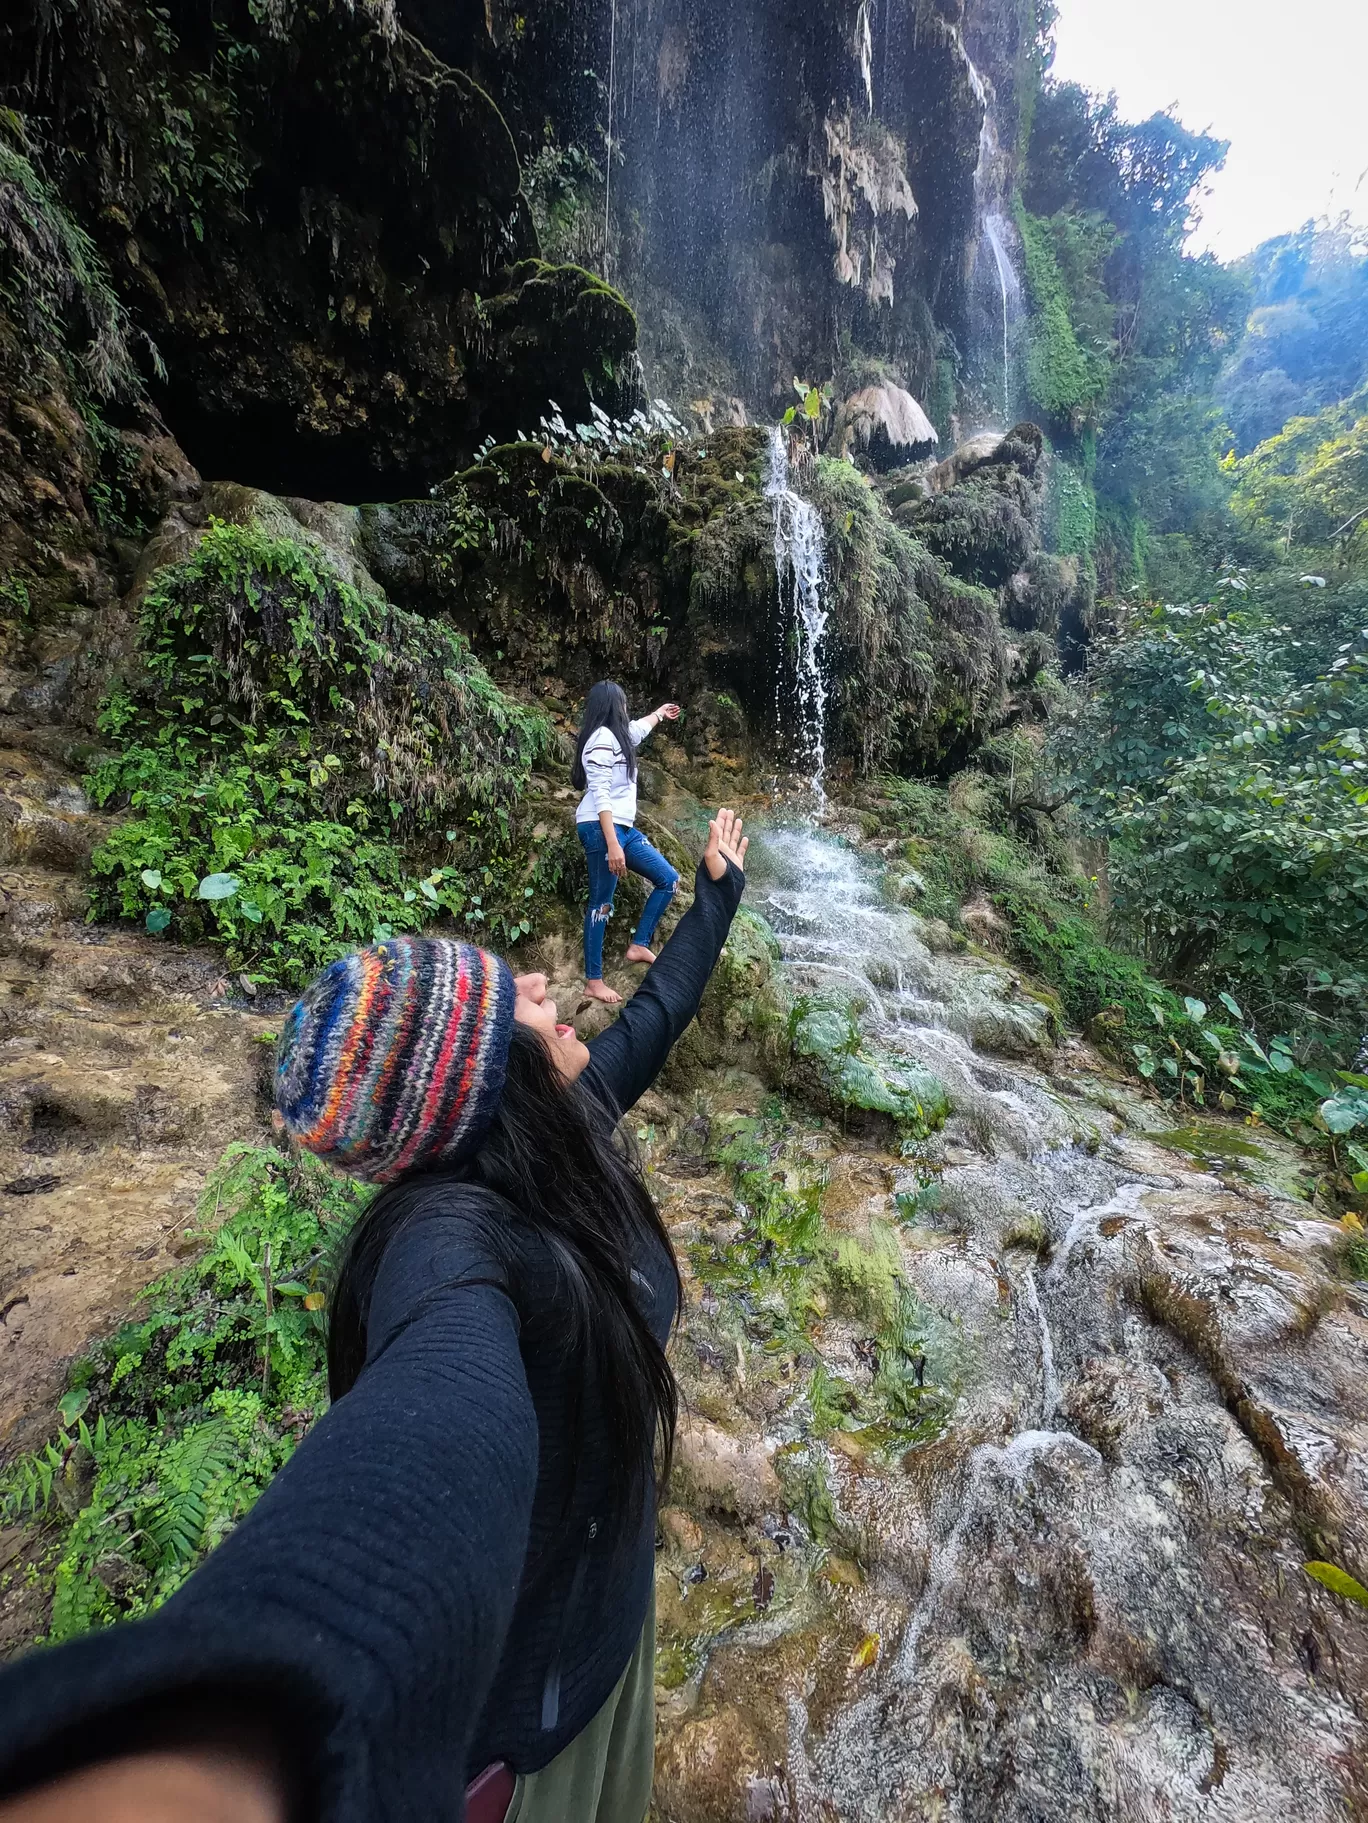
668 712
725 843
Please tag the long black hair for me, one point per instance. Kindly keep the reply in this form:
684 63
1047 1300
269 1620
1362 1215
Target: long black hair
553 1160
604 707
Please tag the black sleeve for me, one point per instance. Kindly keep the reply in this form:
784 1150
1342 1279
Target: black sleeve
363 1604
625 1059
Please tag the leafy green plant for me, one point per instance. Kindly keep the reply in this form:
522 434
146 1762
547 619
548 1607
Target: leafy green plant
307 767
53 281
171 1428
1230 772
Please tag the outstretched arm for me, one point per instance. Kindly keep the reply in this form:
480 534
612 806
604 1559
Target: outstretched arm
364 1600
626 1059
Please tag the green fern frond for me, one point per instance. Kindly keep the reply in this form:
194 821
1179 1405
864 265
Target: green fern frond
189 1468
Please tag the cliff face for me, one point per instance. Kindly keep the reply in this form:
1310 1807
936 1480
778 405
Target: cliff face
791 189
320 229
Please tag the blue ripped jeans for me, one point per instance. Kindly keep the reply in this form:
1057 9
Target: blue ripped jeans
643 860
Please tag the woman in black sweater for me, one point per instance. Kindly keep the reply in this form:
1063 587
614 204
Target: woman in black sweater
451 1581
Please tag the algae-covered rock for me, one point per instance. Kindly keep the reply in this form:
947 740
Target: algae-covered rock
860 1078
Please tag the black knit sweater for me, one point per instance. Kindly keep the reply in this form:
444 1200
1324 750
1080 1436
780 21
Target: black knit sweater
419 1591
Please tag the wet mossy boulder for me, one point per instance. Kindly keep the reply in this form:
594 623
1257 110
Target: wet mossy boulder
868 1087
983 513
576 563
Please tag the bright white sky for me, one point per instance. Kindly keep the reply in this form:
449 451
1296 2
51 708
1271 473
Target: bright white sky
1283 80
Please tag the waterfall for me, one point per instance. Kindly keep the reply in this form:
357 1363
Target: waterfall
993 271
864 43
1049 1376
993 226
799 552
608 136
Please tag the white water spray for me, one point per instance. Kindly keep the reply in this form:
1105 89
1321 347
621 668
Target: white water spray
994 233
799 555
1049 1376
1008 287
608 136
997 1473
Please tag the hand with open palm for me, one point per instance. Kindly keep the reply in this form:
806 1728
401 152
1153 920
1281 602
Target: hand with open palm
725 843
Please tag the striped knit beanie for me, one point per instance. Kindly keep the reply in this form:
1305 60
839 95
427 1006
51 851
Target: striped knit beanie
394 1059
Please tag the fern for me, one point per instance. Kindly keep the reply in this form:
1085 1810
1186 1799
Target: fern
189 1468
189 1428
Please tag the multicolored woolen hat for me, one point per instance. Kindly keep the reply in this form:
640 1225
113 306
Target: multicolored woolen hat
394 1059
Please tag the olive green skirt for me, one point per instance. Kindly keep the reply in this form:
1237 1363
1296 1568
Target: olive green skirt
605 1774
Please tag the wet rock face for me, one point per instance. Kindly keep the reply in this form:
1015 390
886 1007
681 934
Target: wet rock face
124 1072
783 172
1081 1594
322 230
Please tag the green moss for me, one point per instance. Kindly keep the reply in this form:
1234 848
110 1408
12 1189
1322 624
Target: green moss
1208 1142
1065 950
1071 511
1066 380
860 1077
865 1278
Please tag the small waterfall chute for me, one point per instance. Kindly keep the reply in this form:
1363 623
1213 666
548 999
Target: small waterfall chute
995 283
799 562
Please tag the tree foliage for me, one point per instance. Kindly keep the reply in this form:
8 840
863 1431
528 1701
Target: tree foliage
1223 753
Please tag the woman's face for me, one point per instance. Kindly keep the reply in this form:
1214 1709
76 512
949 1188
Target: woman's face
534 1010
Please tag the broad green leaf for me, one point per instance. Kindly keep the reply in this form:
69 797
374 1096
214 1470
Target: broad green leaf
1338 1581
151 879
217 886
1342 1113
251 912
1231 1006
1255 1046
157 920
1196 1009
72 1404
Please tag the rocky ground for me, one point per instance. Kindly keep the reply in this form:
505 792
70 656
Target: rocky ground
1005 1444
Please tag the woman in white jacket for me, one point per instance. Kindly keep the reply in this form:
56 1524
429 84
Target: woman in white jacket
605 771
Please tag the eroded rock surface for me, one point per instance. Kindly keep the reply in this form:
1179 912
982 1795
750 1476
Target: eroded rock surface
124 1072
1081 1593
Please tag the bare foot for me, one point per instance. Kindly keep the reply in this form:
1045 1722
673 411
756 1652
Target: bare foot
600 990
638 952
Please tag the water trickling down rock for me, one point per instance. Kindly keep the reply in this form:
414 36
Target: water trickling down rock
799 550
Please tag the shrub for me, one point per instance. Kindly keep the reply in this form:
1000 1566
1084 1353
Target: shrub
1225 758
308 767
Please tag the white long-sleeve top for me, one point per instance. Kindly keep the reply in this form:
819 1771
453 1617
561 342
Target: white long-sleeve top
608 786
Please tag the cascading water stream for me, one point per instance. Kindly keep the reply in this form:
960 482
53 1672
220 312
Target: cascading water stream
1007 285
993 241
799 556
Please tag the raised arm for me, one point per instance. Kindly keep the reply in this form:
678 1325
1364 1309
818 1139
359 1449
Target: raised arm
359 1611
638 730
625 1059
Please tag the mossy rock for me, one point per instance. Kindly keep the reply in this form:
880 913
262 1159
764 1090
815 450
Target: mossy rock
866 1085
